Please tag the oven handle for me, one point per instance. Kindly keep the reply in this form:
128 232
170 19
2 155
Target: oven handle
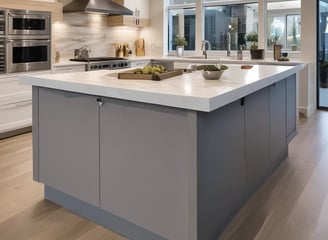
28 40
28 15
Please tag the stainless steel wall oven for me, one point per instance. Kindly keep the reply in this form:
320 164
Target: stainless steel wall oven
22 22
25 40
27 55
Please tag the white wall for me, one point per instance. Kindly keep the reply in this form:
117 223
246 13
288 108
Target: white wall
158 31
307 83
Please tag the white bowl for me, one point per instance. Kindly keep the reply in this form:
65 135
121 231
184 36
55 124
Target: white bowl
212 75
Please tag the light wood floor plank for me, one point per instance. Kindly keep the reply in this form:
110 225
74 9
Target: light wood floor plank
290 204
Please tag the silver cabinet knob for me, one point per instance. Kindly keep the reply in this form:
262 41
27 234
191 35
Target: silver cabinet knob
100 102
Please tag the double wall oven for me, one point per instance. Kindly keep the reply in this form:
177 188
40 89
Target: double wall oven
25 40
24 46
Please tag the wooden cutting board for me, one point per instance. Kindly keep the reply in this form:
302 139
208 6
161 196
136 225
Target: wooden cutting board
140 47
155 77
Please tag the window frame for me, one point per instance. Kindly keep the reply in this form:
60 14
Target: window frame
199 6
178 7
283 13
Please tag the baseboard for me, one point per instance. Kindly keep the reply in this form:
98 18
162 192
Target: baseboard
307 111
99 216
15 132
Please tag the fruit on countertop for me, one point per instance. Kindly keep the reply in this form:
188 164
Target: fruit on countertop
212 67
156 69
212 72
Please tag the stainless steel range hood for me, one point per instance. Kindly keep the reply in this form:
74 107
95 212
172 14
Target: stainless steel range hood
97 6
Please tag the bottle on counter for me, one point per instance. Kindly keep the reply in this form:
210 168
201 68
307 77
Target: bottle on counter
119 51
240 53
126 50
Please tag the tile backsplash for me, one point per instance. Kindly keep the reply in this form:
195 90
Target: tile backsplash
79 29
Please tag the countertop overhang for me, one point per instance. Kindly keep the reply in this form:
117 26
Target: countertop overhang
189 91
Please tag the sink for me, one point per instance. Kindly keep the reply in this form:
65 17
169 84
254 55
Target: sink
195 57
213 57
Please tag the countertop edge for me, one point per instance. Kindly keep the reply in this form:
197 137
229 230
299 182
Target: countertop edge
196 103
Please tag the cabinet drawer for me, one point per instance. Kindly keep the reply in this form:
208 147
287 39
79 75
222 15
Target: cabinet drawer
15 116
68 69
139 64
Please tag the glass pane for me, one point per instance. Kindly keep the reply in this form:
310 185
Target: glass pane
175 2
284 24
235 20
276 30
30 54
182 23
293 31
322 53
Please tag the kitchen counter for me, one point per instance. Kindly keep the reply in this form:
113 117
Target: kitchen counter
67 62
161 160
231 60
201 59
189 91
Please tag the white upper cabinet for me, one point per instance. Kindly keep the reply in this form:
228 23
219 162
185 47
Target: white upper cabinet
142 6
140 17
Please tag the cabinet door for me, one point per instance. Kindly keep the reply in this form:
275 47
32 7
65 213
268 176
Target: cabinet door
278 141
15 105
141 5
148 165
220 168
291 107
257 137
69 143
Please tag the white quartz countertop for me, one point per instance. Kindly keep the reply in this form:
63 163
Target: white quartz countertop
230 60
198 59
188 91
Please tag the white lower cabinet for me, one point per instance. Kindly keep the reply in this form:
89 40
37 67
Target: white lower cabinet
69 68
139 64
15 106
15 116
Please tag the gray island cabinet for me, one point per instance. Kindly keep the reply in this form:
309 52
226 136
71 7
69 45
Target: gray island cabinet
149 169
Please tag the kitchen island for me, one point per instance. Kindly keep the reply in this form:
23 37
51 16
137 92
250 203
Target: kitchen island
172 159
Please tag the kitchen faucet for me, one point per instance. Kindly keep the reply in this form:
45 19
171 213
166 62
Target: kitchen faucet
228 44
204 49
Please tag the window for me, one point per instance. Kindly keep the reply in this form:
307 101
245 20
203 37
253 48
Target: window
227 21
284 24
182 22
223 22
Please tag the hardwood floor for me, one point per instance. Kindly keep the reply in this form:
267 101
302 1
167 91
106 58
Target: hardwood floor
24 214
291 205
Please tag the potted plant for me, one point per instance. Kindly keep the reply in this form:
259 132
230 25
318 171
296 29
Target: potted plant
180 42
255 52
324 74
